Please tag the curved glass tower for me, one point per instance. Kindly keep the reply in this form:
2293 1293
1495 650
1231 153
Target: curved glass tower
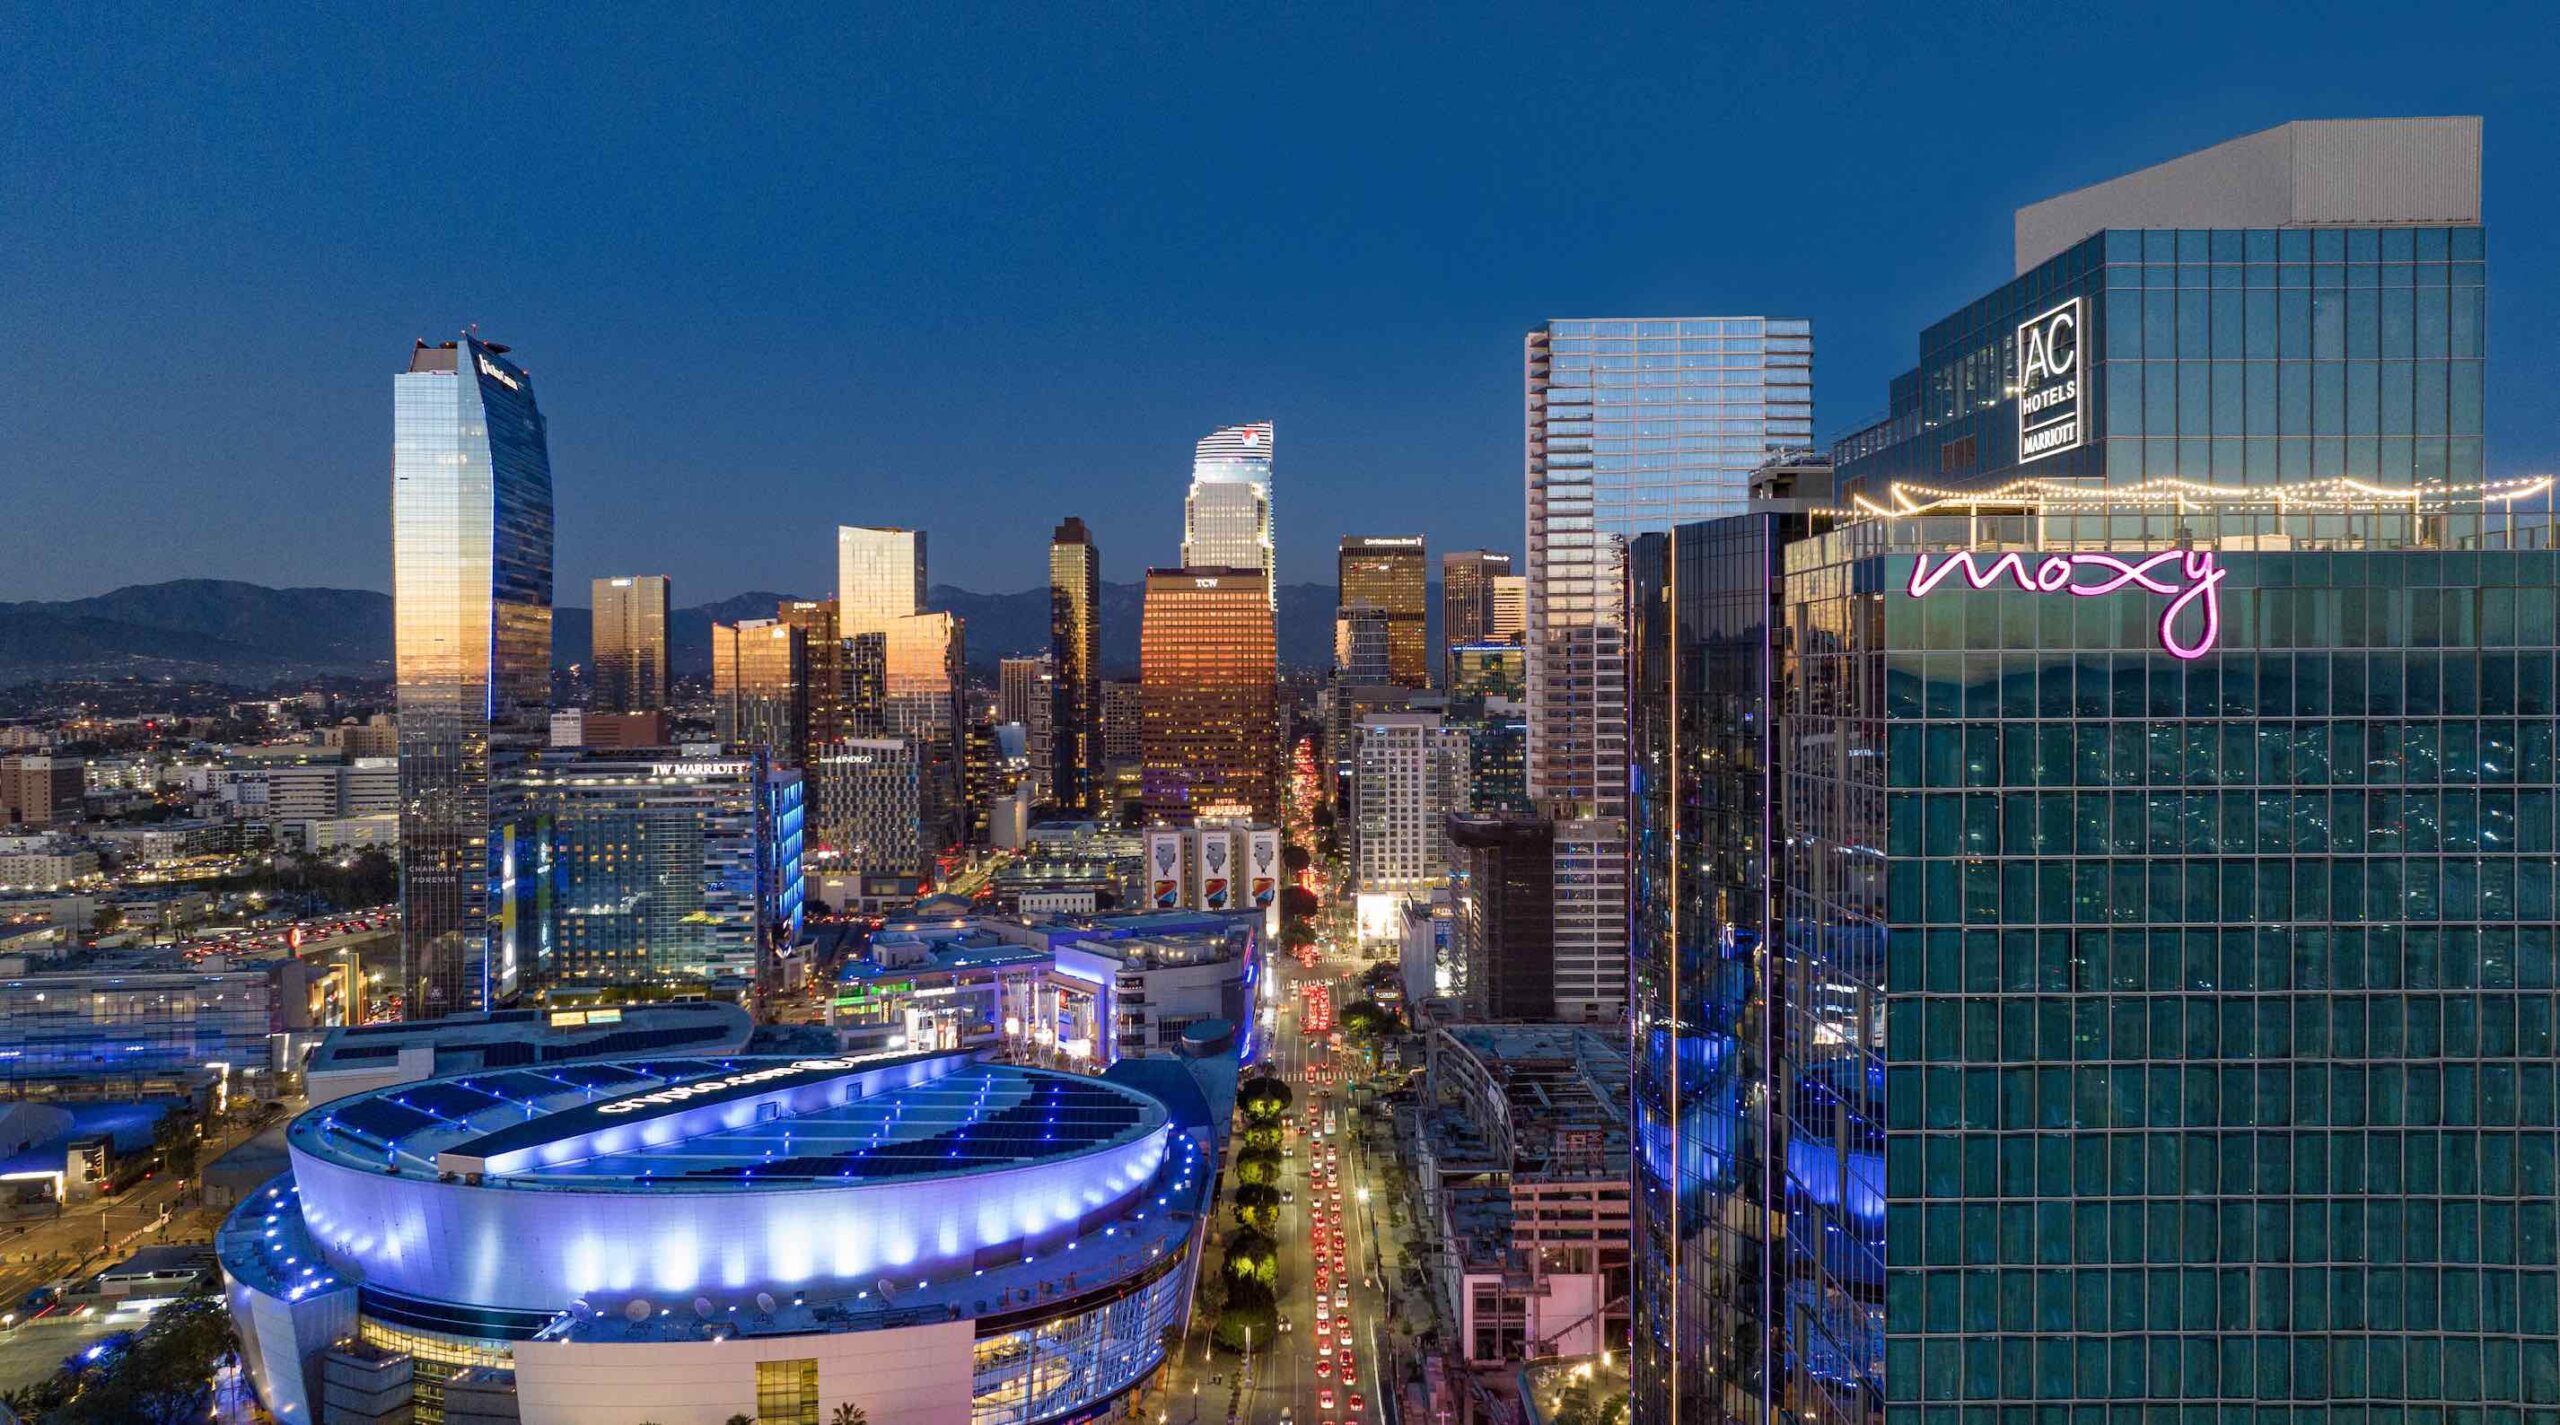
471 587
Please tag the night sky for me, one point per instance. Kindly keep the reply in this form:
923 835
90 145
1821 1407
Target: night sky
977 269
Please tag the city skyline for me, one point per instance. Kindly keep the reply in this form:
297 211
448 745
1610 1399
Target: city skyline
1221 323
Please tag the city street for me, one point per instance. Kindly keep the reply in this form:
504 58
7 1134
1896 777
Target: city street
1287 1377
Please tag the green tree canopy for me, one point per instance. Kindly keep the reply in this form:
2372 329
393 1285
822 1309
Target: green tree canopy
1251 1258
1258 1165
1265 1098
1251 1308
1367 1017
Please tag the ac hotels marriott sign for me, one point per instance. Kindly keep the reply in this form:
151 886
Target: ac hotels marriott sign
2049 384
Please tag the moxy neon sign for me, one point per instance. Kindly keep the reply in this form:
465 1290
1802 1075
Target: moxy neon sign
2187 578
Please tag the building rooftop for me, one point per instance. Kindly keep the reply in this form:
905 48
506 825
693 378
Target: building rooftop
1563 1090
507 1038
731 1124
2312 172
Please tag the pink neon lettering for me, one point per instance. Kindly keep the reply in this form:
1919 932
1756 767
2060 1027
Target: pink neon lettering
2201 586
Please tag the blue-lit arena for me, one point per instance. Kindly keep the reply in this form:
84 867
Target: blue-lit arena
928 1237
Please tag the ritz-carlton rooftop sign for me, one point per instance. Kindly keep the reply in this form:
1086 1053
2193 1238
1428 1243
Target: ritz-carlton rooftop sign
2187 578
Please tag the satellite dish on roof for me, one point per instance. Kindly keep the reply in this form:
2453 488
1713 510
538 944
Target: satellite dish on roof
582 1309
887 1292
764 1302
702 1307
636 1310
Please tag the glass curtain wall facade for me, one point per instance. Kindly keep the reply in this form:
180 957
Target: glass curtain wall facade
471 590
1388 577
1226 519
1075 657
2173 1032
660 870
828 676
630 643
2234 357
1703 617
1466 600
1633 425
880 575
760 686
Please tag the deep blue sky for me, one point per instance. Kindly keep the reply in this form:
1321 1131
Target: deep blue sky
975 269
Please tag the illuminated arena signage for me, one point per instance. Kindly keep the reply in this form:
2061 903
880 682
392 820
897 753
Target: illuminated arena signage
2049 387
695 1088
671 1113
2187 578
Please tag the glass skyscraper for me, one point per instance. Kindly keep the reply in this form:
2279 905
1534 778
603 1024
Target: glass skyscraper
2163 1020
471 589
630 643
1388 576
1226 519
1075 660
1633 425
1703 613
760 686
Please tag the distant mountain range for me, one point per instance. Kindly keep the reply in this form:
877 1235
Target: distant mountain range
220 630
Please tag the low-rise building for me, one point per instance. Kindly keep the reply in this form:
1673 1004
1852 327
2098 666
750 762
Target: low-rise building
1522 1156
360 1059
40 789
1072 990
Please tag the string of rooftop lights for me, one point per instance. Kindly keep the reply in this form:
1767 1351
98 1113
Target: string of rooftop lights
1913 499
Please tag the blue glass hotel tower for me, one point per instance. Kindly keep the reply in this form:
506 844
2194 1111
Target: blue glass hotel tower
2162 1024
471 592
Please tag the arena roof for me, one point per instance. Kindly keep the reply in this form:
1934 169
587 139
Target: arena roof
728 1123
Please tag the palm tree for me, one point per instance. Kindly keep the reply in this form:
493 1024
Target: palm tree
849 1413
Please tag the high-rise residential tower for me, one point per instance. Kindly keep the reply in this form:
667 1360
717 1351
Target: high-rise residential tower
471 591
1026 693
1211 734
1466 597
760 687
880 588
1226 519
829 672
630 643
1634 424
1075 658
1391 575
1508 620
880 575
1409 773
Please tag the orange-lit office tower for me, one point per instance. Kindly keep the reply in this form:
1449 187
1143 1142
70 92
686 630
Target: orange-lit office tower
1209 668
1390 575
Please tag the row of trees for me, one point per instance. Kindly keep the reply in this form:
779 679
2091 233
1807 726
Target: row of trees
1249 1279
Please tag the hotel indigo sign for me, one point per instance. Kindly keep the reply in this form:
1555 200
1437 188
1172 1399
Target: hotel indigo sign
2049 388
2187 578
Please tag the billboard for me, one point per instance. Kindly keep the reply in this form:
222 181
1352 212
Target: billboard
1164 869
1217 868
1262 864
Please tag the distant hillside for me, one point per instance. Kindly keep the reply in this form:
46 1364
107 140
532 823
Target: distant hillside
225 631
215 629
